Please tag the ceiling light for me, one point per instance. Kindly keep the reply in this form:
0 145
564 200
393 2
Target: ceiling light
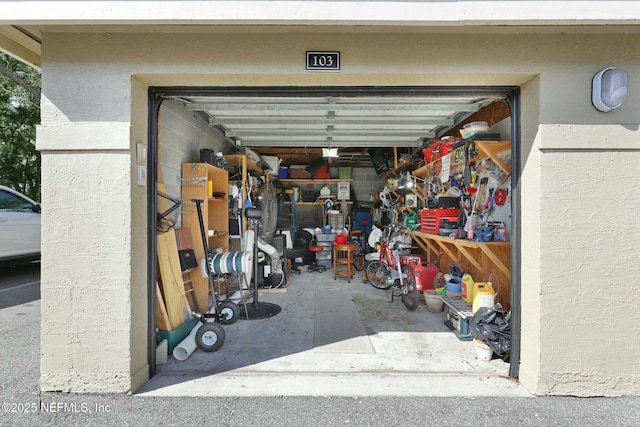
609 90
330 153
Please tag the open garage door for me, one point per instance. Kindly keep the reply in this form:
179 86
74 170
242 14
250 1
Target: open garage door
296 124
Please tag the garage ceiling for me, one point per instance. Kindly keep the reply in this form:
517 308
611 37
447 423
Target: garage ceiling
297 127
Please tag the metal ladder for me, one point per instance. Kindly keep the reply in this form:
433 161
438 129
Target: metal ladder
188 288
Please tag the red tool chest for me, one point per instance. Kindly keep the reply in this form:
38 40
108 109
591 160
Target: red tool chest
430 218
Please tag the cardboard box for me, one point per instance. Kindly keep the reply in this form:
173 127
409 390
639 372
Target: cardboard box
299 172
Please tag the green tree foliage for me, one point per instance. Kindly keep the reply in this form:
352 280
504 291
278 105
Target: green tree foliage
19 115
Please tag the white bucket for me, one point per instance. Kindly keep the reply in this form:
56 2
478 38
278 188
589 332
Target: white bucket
483 351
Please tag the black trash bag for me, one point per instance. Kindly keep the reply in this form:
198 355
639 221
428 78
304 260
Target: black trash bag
456 270
493 326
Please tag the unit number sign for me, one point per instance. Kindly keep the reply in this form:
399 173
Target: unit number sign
323 61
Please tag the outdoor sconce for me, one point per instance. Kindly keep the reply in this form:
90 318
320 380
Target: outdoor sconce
609 89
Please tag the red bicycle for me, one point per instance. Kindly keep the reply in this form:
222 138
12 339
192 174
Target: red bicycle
396 269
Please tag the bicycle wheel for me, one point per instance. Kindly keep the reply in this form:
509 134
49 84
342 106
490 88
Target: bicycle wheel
358 257
411 299
377 274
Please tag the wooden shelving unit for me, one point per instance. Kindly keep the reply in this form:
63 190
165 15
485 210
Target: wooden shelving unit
215 214
246 167
314 181
486 150
481 259
319 203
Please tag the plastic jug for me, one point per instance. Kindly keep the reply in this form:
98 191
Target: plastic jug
483 295
467 288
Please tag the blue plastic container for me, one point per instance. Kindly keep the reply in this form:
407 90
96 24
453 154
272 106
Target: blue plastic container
455 284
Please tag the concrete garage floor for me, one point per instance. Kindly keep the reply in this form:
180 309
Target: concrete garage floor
334 338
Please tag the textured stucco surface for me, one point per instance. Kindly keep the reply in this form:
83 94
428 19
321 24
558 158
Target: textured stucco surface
86 283
579 192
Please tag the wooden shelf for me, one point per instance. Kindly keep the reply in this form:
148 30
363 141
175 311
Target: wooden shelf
491 150
486 150
242 161
246 166
402 167
480 259
215 215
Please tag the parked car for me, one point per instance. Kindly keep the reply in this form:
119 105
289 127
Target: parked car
19 227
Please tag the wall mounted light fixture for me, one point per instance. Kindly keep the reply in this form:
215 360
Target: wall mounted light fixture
609 89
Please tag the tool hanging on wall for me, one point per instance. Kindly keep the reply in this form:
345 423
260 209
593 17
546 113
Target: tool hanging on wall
480 195
500 196
470 152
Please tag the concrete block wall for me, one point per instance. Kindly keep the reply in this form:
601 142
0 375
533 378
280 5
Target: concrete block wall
365 183
182 136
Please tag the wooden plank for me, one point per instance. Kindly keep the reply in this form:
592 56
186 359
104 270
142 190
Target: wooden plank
162 318
491 150
485 261
451 255
496 261
175 300
195 187
470 258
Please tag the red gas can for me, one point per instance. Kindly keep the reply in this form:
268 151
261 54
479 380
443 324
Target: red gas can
428 272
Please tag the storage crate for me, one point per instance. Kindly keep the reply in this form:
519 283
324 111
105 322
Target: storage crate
430 218
344 172
325 256
325 238
273 163
326 263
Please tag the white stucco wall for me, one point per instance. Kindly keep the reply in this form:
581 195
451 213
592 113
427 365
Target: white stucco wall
572 291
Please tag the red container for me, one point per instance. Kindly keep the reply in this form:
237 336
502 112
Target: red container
438 148
341 239
428 153
428 273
